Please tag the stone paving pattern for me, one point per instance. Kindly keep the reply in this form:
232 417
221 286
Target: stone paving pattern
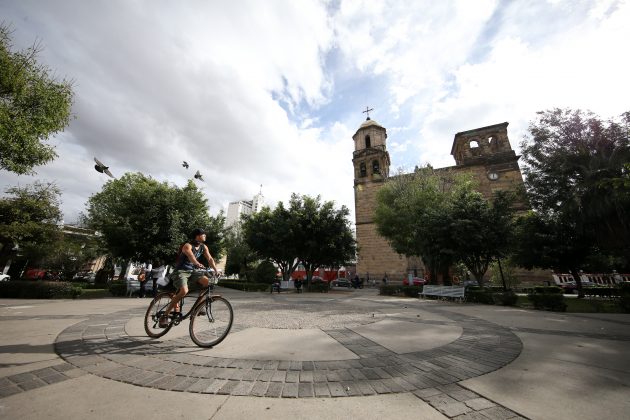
101 347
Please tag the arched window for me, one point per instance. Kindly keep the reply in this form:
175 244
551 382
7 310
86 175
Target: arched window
376 167
362 169
368 142
474 144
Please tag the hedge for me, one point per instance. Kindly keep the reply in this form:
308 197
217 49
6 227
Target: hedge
624 298
39 290
247 287
318 287
394 290
118 288
491 296
548 297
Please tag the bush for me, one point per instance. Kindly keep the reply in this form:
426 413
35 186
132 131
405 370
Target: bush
478 295
411 291
624 297
247 287
548 290
388 290
319 287
265 272
547 298
39 290
118 288
505 298
602 291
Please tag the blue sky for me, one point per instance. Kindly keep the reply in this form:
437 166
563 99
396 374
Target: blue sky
271 92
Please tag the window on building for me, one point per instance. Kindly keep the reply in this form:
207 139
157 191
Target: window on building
474 144
368 142
362 169
376 167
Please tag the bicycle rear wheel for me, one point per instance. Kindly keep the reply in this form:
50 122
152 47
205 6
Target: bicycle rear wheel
211 321
156 309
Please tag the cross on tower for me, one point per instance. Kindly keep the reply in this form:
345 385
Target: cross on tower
367 111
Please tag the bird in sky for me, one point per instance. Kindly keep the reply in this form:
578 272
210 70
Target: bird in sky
185 164
102 168
198 176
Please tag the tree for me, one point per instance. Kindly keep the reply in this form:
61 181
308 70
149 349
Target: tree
141 219
325 236
240 257
481 230
29 218
307 231
33 106
412 213
272 235
576 176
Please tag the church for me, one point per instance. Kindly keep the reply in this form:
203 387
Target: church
483 152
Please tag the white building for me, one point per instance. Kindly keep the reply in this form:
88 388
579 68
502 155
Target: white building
238 208
235 210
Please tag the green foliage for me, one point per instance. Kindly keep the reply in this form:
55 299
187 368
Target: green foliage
441 218
118 288
30 217
307 231
142 219
240 257
479 295
245 286
411 291
388 290
481 230
411 212
39 290
507 298
509 275
548 298
33 106
324 233
265 272
319 287
576 175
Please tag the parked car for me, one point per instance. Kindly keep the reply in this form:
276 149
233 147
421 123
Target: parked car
34 274
5 277
416 281
341 282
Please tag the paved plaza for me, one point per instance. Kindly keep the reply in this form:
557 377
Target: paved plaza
350 354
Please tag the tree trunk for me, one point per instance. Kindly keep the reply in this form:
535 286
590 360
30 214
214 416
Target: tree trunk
578 282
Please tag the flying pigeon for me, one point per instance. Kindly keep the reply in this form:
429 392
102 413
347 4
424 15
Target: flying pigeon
102 168
198 176
185 164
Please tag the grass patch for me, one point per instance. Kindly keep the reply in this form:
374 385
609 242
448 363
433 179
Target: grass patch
575 305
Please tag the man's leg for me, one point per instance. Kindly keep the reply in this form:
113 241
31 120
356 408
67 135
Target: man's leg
181 292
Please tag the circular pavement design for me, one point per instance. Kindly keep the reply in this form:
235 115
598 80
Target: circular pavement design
363 357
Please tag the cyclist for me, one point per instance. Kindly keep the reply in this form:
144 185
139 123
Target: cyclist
184 275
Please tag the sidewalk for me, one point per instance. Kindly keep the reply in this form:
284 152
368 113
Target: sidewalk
354 355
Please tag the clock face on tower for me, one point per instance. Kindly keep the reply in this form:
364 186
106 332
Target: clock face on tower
493 176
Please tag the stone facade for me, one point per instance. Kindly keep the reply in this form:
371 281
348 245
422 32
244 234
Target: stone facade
484 152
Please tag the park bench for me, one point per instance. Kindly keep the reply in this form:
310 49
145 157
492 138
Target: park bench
450 292
133 285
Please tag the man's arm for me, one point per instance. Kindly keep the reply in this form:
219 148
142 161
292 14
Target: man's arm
187 250
206 253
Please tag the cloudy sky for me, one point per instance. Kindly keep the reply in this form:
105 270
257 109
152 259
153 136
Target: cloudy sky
270 93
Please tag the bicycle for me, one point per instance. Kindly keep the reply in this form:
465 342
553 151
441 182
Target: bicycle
211 316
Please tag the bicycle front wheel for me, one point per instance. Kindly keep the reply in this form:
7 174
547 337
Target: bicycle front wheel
157 308
210 321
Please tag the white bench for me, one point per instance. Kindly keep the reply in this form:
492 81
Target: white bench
133 285
457 292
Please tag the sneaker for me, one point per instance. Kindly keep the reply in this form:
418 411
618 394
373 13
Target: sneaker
164 322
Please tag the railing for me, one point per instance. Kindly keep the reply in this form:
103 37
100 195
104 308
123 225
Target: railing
610 279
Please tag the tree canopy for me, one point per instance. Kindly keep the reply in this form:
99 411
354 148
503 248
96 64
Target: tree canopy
142 219
439 217
30 214
308 231
33 106
577 179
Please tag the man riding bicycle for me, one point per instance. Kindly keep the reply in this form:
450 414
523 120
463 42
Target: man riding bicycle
184 274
